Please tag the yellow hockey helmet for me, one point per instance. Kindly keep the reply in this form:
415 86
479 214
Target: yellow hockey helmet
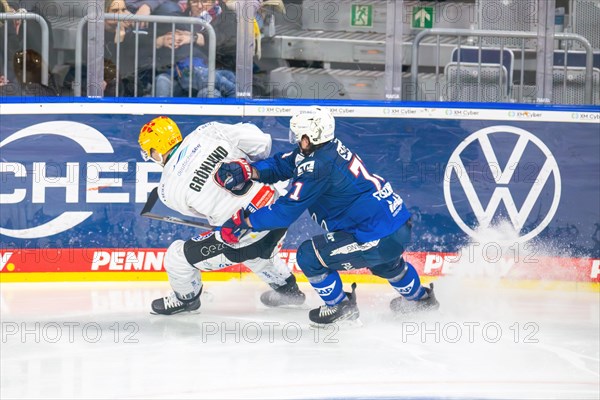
160 134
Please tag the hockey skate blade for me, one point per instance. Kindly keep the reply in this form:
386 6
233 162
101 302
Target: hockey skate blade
193 312
303 306
417 312
345 324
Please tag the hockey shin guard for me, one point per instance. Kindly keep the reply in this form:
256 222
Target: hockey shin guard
408 283
329 287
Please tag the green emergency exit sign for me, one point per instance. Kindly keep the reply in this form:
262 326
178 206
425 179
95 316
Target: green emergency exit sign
362 15
422 17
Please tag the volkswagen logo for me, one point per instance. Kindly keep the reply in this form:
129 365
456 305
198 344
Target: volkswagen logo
456 175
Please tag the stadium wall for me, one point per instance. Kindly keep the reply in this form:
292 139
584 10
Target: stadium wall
511 188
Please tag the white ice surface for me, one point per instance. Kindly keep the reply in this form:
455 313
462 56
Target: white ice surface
548 346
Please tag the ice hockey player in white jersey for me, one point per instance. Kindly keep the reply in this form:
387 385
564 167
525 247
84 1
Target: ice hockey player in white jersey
189 186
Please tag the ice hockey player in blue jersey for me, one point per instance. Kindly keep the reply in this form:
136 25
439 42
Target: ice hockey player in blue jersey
368 224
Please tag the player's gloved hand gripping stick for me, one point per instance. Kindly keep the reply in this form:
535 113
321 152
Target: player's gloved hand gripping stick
235 227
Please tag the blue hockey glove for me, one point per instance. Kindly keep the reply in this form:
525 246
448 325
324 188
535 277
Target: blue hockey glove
235 227
234 174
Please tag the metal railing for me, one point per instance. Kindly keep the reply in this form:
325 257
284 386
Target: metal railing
154 19
25 16
469 34
584 16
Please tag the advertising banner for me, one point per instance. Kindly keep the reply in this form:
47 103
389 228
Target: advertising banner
73 182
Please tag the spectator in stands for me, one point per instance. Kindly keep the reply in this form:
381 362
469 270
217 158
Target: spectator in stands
153 7
34 31
28 70
225 25
109 85
120 45
12 41
180 43
120 41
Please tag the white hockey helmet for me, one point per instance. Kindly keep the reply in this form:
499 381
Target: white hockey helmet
315 122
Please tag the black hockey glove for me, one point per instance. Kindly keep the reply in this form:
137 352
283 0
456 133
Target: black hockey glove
234 174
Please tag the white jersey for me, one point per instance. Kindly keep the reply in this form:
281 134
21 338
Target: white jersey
188 183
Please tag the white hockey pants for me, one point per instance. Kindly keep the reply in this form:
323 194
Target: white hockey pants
185 260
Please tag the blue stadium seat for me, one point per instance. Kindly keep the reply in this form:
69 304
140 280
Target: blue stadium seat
488 56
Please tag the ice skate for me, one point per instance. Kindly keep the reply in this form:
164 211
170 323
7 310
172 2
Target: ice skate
345 313
400 305
288 295
170 304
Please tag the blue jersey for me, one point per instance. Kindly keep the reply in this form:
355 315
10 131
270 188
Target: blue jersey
336 188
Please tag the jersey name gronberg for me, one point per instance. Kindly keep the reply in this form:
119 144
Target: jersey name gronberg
206 168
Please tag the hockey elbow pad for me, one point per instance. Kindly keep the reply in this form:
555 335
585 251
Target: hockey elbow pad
234 174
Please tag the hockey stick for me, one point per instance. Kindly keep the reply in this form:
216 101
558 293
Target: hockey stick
151 202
